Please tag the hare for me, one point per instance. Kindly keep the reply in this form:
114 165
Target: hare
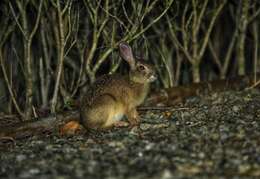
111 97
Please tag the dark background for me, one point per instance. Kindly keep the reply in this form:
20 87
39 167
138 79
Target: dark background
50 51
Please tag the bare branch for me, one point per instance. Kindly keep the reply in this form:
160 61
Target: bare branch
9 87
176 41
16 19
153 21
201 15
254 15
37 21
212 22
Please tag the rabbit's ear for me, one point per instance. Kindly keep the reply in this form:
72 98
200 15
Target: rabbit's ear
127 54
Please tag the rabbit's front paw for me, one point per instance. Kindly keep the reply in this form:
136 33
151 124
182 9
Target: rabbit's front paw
133 117
120 124
135 122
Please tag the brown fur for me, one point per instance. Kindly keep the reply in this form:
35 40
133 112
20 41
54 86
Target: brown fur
113 96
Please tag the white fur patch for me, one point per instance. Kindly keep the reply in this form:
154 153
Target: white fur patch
118 117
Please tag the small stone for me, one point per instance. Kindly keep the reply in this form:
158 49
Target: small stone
34 171
235 108
145 126
167 174
20 158
243 169
134 131
140 154
149 146
201 155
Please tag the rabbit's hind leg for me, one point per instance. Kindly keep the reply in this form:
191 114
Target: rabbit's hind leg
96 115
104 112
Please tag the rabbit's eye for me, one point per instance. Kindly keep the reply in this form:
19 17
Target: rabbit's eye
141 67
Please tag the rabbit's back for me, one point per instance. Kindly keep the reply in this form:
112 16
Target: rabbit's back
118 87
113 85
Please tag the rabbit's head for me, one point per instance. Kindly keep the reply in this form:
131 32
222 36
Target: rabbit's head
140 71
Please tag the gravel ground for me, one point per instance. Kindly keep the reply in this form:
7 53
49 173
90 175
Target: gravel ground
216 136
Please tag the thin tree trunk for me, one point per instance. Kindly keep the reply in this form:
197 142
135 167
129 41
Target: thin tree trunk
28 80
242 36
60 59
196 72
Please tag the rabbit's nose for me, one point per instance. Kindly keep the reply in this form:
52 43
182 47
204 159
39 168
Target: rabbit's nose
152 78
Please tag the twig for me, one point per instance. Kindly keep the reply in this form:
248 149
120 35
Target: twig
9 87
212 22
153 21
8 139
254 85
125 13
16 19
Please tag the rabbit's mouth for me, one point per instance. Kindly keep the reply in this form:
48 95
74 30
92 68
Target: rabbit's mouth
152 78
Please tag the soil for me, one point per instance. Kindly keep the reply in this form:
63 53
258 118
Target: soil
214 136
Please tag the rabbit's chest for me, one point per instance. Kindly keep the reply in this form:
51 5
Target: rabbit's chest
116 113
